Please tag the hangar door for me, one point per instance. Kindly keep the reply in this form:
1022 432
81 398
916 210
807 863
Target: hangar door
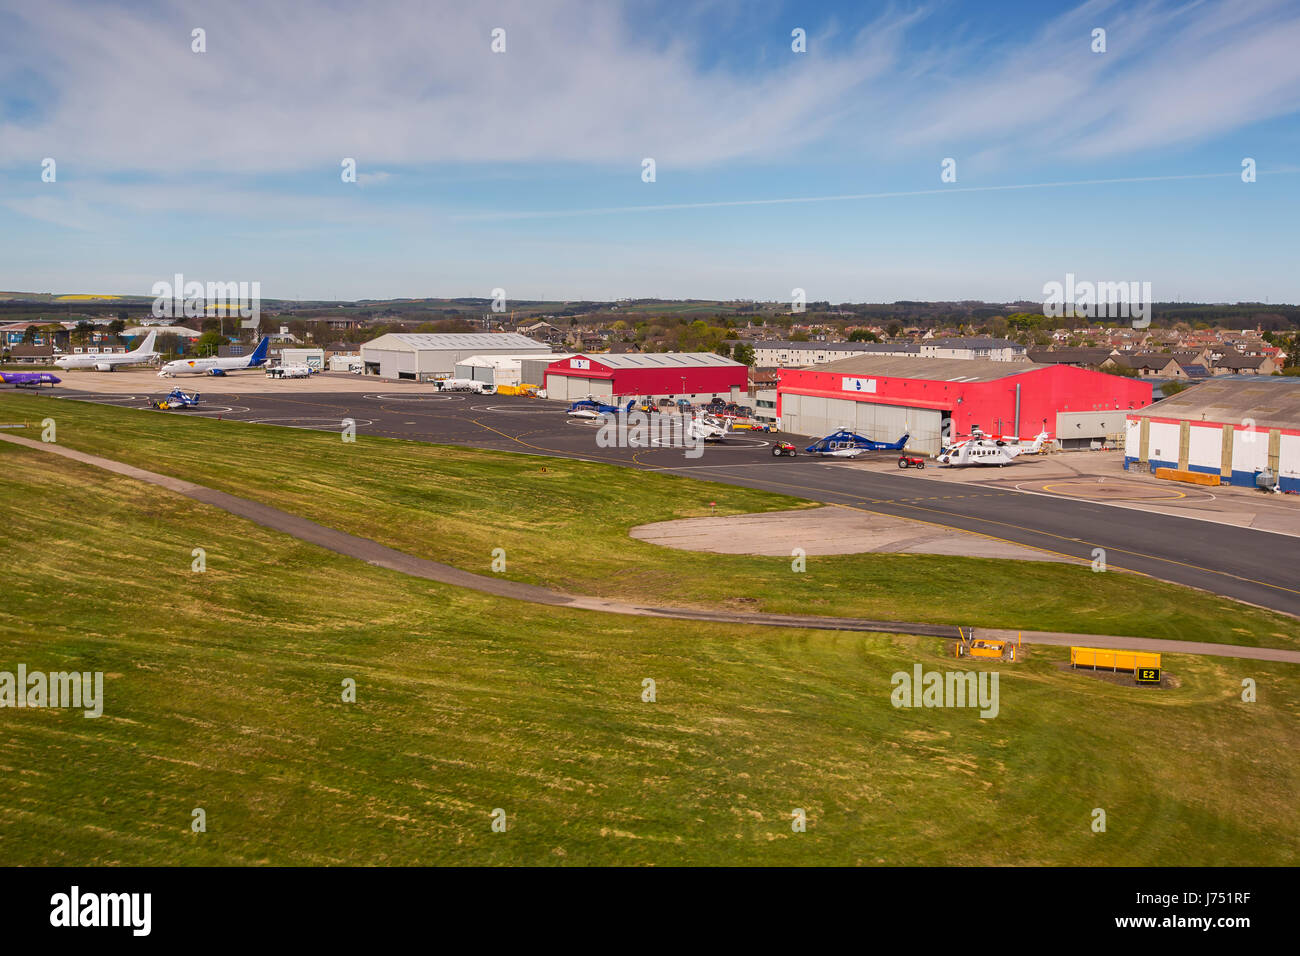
815 416
569 388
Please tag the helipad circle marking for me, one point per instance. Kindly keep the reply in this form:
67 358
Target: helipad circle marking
432 397
1170 495
510 409
329 421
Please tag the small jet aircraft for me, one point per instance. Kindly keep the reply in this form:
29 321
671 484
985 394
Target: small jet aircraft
847 444
106 361
981 449
216 366
29 379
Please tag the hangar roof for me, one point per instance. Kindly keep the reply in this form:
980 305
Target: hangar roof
501 361
661 359
1272 401
457 342
932 370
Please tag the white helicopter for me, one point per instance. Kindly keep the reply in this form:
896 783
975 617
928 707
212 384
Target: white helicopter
708 428
981 449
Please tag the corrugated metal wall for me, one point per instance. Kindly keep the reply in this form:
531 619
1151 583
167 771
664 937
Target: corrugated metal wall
815 416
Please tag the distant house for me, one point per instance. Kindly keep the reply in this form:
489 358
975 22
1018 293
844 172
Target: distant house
1150 365
1244 365
1077 358
543 332
974 347
32 354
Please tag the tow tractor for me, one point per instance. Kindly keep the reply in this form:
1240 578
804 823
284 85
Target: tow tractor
911 461
784 448
176 398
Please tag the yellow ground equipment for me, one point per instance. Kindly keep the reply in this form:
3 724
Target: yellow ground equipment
1144 665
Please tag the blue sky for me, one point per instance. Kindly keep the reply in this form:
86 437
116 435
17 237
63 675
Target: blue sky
522 170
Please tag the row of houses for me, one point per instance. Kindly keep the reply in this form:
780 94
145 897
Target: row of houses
1186 364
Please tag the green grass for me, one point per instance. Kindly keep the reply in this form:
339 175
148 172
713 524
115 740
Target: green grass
223 692
564 524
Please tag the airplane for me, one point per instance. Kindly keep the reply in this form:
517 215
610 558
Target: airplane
106 361
29 379
847 444
981 449
216 366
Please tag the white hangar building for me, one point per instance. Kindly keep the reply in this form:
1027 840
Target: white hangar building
1235 428
424 357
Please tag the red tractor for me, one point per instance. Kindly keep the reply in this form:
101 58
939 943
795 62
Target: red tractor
911 461
784 448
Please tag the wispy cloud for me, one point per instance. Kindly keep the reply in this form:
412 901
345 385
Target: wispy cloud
298 85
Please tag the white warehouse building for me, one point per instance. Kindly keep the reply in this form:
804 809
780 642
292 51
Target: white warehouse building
1235 428
428 356
501 370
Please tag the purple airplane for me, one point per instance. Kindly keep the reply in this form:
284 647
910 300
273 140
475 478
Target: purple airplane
29 379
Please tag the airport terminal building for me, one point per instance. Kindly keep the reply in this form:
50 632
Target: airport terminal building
695 376
1234 428
424 357
882 398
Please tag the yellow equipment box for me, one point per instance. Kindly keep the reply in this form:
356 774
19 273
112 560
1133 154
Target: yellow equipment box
1114 660
1191 477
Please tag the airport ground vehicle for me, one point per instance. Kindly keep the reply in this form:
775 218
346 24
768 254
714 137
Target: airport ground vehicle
784 448
911 461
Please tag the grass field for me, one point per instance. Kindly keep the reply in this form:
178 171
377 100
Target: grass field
564 524
223 692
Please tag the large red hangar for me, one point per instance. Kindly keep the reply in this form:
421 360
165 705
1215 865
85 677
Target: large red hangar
883 397
694 376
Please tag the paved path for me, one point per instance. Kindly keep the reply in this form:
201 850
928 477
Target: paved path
372 552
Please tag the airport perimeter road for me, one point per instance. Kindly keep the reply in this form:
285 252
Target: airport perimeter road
1241 563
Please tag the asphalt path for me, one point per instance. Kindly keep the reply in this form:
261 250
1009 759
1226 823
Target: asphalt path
1240 563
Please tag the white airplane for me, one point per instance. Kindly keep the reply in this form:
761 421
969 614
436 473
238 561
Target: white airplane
980 449
106 361
708 428
216 366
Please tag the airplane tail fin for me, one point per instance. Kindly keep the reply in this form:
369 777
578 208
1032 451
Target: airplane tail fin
900 444
147 345
259 354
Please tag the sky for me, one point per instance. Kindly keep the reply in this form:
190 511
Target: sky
774 170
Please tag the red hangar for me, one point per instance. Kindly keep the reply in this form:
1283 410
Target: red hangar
883 397
695 376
